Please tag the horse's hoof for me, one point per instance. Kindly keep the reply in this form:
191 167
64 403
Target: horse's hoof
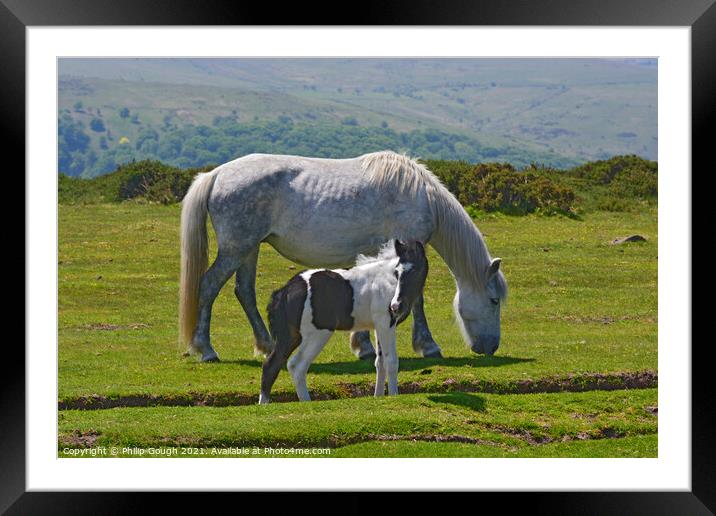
211 358
367 356
433 354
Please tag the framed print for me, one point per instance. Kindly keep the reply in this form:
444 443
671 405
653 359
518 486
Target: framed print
266 190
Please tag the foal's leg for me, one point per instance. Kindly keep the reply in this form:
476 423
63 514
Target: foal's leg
423 342
245 291
211 282
386 336
361 345
313 342
379 372
273 364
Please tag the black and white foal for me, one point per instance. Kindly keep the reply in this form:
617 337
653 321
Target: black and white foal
378 293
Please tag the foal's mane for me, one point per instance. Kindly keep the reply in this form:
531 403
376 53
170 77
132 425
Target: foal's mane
386 252
461 243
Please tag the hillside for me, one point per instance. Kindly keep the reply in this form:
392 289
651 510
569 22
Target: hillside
560 112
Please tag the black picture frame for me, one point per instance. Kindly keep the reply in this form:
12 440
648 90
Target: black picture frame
700 15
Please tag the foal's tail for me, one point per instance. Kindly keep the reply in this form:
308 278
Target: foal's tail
278 324
194 252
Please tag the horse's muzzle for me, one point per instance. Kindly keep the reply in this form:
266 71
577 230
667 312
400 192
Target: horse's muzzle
399 315
486 344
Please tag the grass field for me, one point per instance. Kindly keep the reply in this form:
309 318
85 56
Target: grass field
582 316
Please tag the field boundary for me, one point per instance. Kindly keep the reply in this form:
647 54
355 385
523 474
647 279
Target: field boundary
577 382
80 440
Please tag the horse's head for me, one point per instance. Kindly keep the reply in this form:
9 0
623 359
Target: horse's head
410 271
478 311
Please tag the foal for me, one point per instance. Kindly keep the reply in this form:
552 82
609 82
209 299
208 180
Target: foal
378 293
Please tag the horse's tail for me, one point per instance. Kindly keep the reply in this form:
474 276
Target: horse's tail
194 252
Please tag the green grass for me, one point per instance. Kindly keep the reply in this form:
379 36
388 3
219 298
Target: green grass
577 306
506 424
634 447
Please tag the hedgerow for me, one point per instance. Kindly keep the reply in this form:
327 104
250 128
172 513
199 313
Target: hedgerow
618 184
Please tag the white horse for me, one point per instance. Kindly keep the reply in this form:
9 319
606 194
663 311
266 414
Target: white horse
377 294
322 213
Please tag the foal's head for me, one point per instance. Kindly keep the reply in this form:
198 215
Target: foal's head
411 271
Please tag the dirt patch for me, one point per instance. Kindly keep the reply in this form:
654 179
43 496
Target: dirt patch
570 383
520 433
627 239
591 382
431 438
87 439
79 439
601 319
536 439
95 401
113 327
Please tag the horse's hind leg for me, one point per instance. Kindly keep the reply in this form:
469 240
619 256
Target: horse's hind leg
361 345
245 291
272 366
211 282
313 342
423 342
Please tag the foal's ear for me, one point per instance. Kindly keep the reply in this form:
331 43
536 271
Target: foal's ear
399 247
493 267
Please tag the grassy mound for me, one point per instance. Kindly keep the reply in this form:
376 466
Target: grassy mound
149 181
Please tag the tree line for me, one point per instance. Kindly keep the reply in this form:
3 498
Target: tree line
98 152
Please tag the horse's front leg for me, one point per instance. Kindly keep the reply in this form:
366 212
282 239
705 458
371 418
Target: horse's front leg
379 372
423 342
385 334
245 291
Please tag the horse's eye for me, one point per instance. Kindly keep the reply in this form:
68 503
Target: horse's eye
494 301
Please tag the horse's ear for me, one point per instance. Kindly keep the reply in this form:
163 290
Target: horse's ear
493 267
399 247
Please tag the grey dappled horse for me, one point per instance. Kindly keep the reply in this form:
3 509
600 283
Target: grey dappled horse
322 213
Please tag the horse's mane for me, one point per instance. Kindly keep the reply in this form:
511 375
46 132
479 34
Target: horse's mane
461 243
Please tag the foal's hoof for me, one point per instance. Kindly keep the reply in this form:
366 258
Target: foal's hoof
369 355
433 354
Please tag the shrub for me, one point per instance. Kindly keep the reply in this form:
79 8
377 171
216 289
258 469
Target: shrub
635 182
449 172
622 169
499 187
97 125
611 203
155 182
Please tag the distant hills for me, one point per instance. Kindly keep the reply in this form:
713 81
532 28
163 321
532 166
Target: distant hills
194 112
